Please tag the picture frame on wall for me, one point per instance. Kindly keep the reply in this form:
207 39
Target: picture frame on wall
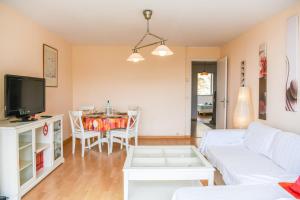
263 66
243 73
50 65
292 64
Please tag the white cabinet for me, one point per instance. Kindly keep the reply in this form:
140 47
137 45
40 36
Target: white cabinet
57 141
28 154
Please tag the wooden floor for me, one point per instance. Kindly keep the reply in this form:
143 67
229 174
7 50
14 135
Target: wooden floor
97 176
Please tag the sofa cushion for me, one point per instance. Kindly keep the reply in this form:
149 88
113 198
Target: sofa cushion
239 165
222 137
259 138
286 151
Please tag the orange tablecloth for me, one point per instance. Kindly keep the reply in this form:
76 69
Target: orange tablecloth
104 123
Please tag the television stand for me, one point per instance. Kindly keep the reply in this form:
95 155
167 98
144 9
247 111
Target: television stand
23 120
28 154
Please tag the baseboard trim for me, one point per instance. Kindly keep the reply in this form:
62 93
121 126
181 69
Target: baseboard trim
165 137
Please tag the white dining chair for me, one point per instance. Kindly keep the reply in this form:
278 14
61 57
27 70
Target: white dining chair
87 109
131 131
79 132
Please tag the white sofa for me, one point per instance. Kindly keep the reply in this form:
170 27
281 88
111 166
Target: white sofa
257 155
251 161
233 192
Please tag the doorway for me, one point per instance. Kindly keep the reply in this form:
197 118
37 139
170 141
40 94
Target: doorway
204 90
206 93
209 96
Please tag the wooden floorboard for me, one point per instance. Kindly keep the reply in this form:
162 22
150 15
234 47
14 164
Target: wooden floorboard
96 177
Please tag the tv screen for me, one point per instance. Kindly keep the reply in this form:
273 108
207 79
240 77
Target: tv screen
24 95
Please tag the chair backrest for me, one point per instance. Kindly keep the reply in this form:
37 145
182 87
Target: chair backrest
133 121
76 122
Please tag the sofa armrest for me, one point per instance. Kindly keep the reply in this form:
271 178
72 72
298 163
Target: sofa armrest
222 137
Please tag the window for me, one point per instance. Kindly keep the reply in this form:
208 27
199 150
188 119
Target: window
205 84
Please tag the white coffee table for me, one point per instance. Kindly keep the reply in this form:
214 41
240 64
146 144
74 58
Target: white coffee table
166 163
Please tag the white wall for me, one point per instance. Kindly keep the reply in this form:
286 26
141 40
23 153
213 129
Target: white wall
158 85
21 50
161 86
245 47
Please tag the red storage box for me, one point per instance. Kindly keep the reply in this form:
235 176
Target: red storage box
39 160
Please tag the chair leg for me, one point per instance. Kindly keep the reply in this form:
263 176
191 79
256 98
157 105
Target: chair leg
82 147
111 143
127 144
135 140
121 147
89 142
73 145
99 142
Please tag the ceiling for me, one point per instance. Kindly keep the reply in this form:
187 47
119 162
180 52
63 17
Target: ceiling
120 22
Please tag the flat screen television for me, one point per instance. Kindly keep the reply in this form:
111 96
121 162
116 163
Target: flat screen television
24 96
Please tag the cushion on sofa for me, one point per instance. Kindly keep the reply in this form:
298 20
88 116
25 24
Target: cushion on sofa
286 151
220 137
239 165
259 138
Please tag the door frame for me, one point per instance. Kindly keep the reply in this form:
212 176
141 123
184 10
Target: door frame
188 102
226 92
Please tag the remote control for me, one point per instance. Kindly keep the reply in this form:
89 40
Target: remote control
46 116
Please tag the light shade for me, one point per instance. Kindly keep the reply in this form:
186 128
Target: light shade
243 113
162 50
204 73
135 57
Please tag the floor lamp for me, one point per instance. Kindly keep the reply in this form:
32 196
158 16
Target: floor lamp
243 113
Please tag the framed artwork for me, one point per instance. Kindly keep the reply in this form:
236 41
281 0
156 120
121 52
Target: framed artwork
263 65
292 64
243 71
50 64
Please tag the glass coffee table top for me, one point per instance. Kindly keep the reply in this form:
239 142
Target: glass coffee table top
166 156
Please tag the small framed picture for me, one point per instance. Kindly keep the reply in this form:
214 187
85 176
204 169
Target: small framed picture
50 65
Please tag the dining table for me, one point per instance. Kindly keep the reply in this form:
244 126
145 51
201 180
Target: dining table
105 123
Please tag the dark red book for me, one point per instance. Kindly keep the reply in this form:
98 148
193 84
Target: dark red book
39 161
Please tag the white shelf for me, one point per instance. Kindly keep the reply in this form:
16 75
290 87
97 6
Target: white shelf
24 145
23 180
24 164
41 147
43 171
25 177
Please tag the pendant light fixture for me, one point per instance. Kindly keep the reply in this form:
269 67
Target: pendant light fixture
135 57
204 73
161 50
